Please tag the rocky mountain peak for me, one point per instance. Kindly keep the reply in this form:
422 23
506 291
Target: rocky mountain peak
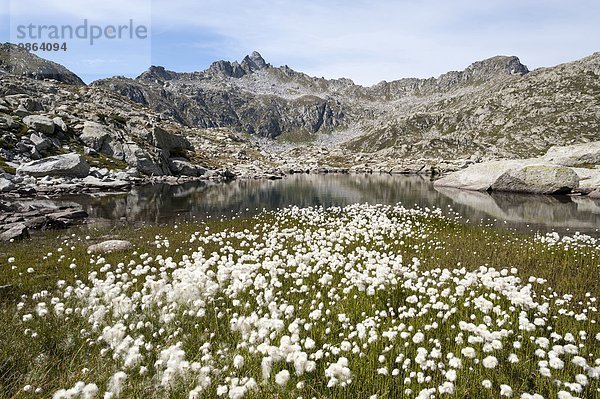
18 61
251 63
495 66
157 73
258 60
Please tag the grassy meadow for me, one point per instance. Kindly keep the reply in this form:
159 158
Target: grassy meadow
355 302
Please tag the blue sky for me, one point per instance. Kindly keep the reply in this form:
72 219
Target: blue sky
367 41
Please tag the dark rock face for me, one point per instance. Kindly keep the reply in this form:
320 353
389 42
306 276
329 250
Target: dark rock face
198 99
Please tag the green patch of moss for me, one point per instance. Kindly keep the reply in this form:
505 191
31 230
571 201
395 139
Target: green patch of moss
22 131
5 167
104 161
585 165
298 136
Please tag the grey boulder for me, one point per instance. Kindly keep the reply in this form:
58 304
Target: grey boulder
58 122
6 185
39 123
17 231
538 179
40 141
168 141
480 176
181 166
574 155
94 135
109 246
68 165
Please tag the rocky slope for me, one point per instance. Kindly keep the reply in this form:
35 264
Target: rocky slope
18 61
494 108
113 137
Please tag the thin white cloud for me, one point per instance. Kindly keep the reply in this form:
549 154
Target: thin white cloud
364 40
371 41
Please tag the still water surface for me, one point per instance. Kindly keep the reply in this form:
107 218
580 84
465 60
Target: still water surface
161 203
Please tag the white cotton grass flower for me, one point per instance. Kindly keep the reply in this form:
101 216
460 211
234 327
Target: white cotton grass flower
486 384
489 362
418 337
282 378
468 352
506 391
90 391
338 373
581 379
115 384
556 363
238 362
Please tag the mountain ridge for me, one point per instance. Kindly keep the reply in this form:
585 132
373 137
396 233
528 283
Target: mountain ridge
494 108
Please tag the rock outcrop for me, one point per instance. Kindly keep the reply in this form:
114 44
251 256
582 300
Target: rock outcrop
481 176
18 61
70 165
538 179
534 175
575 155
109 246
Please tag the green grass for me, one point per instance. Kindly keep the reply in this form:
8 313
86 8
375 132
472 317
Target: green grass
104 161
8 169
296 137
56 357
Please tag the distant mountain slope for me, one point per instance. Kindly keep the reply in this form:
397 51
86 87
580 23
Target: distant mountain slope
18 61
495 107
502 116
217 98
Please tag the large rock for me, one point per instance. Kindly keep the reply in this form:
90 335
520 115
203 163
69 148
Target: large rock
59 123
481 176
109 246
538 179
39 123
168 141
65 218
6 185
589 179
94 135
94 182
574 155
40 141
17 231
144 162
181 166
70 165
101 139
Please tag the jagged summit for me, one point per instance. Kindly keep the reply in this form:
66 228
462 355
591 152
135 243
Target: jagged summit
250 63
257 60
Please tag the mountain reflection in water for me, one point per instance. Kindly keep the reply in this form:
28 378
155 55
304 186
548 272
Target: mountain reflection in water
159 203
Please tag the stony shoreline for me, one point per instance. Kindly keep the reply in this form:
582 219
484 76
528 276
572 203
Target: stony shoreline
557 172
17 219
